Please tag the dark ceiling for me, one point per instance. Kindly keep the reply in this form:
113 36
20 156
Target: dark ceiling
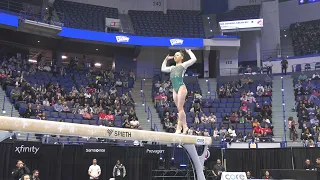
22 39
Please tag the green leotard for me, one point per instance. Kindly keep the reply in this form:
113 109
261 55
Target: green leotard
176 77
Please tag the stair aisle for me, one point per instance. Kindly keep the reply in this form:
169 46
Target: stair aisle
213 87
203 83
277 109
141 107
9 111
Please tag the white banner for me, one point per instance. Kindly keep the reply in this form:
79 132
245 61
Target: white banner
233 176
241 24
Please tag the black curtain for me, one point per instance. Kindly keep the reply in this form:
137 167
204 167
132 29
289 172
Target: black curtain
242 160
59 162
301 154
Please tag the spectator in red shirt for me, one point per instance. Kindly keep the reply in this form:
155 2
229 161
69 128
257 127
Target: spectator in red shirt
257 131
267 131
110 116
103 117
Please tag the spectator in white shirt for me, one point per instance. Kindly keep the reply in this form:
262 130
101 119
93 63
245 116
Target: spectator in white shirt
269 65
161 89
94 170
87 95
232 132
157 84
118 83
46 102
315 76
260 90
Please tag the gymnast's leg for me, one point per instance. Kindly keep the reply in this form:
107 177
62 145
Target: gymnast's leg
182 93
175 99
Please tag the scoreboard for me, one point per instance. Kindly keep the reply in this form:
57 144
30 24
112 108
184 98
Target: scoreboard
307 1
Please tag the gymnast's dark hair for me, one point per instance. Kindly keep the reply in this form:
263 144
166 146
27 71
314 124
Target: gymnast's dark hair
182 52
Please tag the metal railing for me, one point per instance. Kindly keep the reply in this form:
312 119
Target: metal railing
210 94
150 117
306 66
284 112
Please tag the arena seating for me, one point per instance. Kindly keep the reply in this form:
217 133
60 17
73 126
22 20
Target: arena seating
85 16
222 107
306 87
305 37
176 23
241 13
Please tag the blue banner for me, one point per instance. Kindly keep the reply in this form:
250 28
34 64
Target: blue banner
9 20
130 39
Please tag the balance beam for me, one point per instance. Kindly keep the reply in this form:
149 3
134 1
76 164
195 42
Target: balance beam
73 129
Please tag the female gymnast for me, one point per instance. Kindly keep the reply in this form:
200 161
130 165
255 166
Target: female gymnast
179 88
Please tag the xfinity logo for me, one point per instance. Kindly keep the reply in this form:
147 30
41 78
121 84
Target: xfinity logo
151 151
175 42
95 150
122 39
27 149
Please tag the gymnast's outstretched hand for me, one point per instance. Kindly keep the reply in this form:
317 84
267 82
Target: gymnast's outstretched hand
169 57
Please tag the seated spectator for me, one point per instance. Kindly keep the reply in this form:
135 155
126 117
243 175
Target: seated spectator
191 131
43 116
157 84
241 118
126 124
58 107
169 127
198 132
212 118
206 132
65 107
197 97
15 93
267 132
244 108
255 123
257 131
244 98
234 117
110 116
103 117
232 131
314 96
315 76
260 90
196 119
204 119
303 77
118 83
226 119
215 133
38 112
29 112
87 112
135 124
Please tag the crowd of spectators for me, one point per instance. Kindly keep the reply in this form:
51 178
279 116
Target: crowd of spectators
306 90
201 112
305 37
101 102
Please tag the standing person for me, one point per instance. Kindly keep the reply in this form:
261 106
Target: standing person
35 175
284 66
218 169
269 65
179 88
317 166
20 170
119 171
94 170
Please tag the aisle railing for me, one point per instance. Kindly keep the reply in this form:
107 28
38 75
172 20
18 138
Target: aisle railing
284 111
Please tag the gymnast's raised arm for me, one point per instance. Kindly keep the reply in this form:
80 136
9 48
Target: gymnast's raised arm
164 67
191 61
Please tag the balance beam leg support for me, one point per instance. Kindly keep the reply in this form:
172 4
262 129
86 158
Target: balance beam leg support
197 161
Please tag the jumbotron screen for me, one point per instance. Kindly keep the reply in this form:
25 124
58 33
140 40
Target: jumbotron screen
308 1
